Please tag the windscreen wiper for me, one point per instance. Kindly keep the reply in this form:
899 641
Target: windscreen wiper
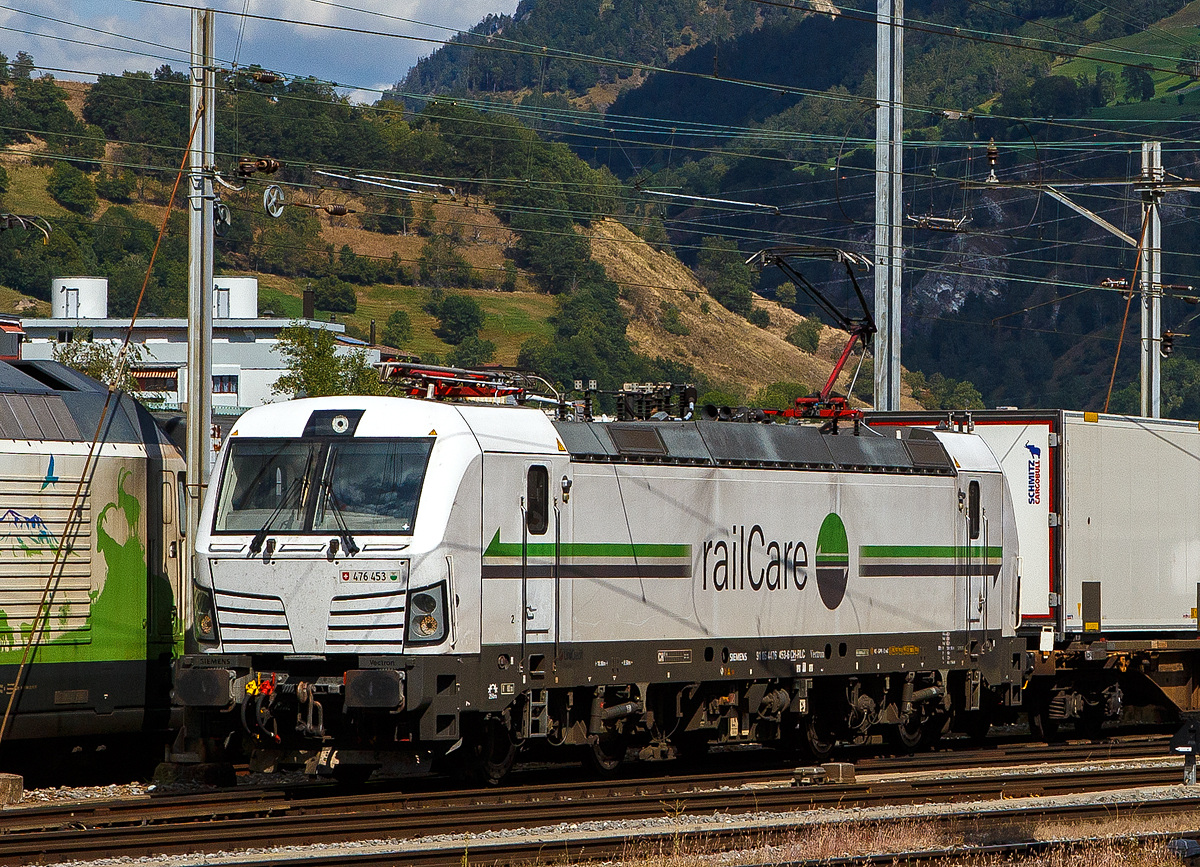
297 484
343 531
257 542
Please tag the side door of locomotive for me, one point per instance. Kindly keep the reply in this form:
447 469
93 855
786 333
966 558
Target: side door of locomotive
521 503
970 558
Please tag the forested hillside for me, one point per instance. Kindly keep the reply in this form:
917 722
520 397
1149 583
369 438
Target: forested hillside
490 243
780 113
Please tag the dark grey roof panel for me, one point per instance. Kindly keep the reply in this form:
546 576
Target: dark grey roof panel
683 441
26 421
743 443
928 453
579 438
868 451
62 417
10 428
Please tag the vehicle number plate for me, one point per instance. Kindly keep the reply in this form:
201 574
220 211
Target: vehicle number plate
378 575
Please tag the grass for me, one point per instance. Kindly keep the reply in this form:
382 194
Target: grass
1161 48
1108 844
27 192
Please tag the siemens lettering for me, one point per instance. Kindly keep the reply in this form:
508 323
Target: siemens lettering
748 559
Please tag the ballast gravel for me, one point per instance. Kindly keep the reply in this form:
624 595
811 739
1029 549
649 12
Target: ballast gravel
685 826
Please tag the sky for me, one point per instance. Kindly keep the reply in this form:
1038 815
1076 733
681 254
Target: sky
78 39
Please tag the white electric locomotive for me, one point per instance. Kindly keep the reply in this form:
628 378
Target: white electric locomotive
383 578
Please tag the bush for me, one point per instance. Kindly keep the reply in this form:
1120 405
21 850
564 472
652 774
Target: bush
509 283
718 398
330 293
471 352
72 189
397 331
760 317
807 335
116 187
3 181
671 322
780 395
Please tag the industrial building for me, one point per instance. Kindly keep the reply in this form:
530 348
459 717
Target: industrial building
245 363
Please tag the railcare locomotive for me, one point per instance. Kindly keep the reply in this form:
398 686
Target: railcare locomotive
382 581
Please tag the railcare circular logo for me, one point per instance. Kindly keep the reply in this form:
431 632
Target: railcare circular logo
833 560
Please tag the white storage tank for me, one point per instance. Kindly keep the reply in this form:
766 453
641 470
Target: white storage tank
235 298
79 298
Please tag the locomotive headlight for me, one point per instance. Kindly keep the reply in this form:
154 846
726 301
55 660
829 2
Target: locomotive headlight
427 615
204 618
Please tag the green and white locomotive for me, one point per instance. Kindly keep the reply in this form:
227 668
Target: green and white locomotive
91 552
387 578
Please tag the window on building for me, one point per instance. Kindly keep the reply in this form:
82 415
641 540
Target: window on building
65 335
225 384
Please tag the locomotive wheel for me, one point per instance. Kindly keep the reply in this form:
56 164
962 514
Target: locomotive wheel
818 740
607 753
492 754
911 735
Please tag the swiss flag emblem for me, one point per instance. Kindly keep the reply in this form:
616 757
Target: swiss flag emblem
345 576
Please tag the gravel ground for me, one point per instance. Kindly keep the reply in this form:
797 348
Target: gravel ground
686 827
137 790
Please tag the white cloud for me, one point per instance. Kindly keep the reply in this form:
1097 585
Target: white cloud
353 60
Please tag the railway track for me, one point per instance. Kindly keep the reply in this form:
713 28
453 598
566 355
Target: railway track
232 820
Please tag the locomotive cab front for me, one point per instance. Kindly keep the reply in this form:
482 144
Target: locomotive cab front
323 578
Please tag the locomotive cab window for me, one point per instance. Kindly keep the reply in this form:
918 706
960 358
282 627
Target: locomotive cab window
537 500
973 509
322 486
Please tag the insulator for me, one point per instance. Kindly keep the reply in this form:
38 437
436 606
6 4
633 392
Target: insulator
338 210
993 153
267 166
264 77
246 168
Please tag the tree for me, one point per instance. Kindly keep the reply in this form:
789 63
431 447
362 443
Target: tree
330 293
117 187
397 331
723 270
786 294
22 69
471 352
72 189
459 316
99 360
5 72
314 369
939 392
1189 62
1138 83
